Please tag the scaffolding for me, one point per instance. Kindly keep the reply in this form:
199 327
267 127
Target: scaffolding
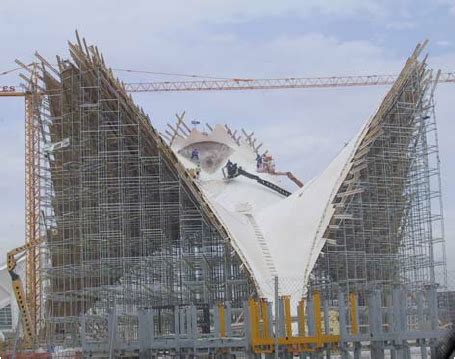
316 328
125 229
387 227
123 225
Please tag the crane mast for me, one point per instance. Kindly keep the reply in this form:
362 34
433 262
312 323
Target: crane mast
29 299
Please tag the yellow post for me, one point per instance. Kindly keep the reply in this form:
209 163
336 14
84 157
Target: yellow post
222 314
287 315
254 321
317 316
354 321
265 318
26 318
301 316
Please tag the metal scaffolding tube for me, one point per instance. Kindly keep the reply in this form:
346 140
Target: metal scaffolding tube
125 227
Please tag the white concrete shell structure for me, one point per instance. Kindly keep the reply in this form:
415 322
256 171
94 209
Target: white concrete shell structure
275 234
285 237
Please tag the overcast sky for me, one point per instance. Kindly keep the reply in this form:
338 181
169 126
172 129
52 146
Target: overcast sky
304 129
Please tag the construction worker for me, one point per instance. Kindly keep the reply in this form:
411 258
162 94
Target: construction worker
265 162
231 169
195 155
258 161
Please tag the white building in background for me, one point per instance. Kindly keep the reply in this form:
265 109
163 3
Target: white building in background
8 305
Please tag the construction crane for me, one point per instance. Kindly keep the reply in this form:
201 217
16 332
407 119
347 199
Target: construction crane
29 300
253 84
31 306
11 91
271 84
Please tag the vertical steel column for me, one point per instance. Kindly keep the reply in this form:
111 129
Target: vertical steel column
397 325
188 320
265 318
277 317
247 328
282 318
421 323
182 317
354 314
222 320
301 317
146 329
254 319
287 315
317 317
228 311
194 322
342 315
433 315
310 316
112 331
216 320
177 328
83 332
310 319
325 306
375 321
353 301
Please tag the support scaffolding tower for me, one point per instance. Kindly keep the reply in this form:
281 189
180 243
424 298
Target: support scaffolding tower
125 229
387 228
123 225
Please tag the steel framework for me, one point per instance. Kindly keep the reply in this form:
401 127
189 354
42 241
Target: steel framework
33 168
124 225
387 228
